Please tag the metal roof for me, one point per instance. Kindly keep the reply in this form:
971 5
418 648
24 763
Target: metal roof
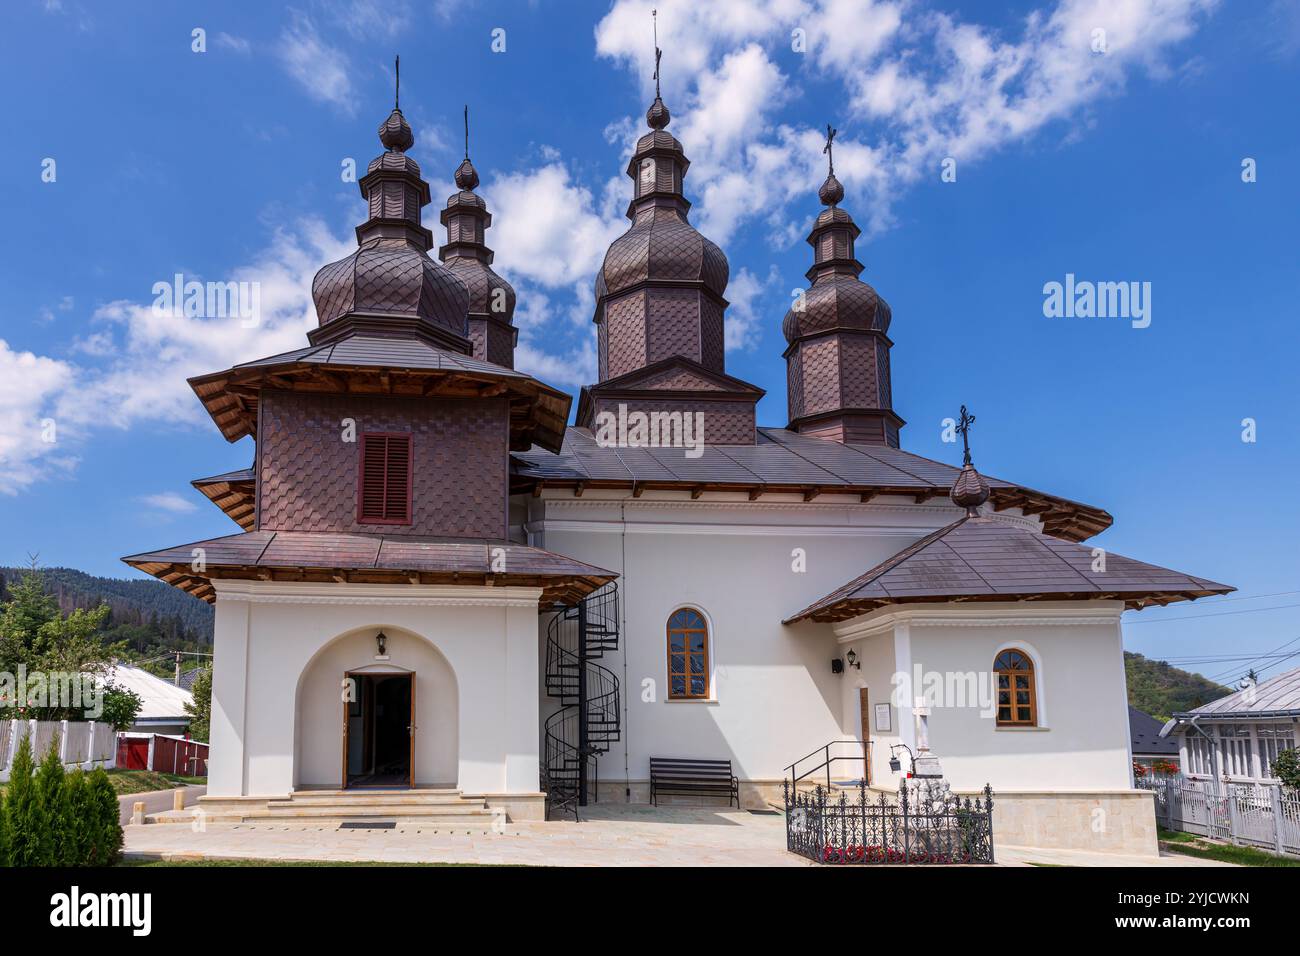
990 559
782 460
1276 696
365 558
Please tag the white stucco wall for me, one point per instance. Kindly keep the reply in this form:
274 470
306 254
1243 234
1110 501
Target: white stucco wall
1082 738
774 696
481 640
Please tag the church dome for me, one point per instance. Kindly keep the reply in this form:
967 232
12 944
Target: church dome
391 273
391 277
837 299
661 244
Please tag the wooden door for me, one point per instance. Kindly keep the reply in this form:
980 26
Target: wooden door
410 729
865 716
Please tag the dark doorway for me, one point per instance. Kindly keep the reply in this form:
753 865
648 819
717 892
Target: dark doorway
377 731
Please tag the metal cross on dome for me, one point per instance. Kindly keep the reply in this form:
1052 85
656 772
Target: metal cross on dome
829 148
654 17
963 426
397 82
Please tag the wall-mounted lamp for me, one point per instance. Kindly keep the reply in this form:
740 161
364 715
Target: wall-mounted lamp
381 645
853 659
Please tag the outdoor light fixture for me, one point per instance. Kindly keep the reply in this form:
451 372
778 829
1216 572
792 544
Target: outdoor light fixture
853 659
381 644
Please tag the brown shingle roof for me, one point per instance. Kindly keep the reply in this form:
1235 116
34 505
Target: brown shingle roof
233 493
782 460
384 365
990 559
373 559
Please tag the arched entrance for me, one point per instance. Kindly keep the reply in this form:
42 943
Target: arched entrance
354 707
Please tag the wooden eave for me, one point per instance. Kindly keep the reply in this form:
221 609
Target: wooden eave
538 413
556 591
847 609
1061 518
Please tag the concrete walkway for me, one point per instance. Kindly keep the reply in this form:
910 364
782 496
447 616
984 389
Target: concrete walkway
611 835
156 801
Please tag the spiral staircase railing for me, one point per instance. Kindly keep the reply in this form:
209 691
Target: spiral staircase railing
588 722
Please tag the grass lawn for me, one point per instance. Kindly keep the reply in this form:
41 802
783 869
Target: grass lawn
1191 845
140 862
142 781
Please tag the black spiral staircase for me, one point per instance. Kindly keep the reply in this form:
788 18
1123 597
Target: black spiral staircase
588 720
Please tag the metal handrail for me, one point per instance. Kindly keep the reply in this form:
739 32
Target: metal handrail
825 752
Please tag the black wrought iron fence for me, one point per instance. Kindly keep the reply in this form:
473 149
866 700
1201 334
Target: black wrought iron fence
925 823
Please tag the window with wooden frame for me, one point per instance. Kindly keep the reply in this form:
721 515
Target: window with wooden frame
1017 705
688 655
384 479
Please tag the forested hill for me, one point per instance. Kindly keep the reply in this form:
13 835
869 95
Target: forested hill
1160 689
143 613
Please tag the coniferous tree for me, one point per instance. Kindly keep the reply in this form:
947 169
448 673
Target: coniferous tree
49 794
80 817
106 813
25 815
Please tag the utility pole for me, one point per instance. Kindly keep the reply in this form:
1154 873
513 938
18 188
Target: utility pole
177 679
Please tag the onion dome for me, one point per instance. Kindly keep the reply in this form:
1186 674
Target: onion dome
491 305
970 490
391 276
837 360
838 298
659 291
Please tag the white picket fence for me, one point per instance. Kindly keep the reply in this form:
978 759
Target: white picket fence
82 743
1262 815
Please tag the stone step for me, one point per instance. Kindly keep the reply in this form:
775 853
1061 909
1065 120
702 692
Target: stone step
374 800
386 811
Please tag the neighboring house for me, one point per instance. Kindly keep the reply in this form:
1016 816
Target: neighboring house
416 503
1149 747
1237 737
162 710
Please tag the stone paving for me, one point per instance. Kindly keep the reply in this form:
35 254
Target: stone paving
610 835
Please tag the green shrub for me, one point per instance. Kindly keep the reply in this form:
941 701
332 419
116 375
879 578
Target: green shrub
24 812
49 794
52 818
79 816
104 819
1286 767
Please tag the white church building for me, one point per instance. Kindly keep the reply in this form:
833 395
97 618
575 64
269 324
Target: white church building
443 593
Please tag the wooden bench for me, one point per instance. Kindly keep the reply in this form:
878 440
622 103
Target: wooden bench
680 776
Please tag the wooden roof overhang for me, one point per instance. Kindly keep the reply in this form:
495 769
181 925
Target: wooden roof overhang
369 559
980 558
848 609
234 493
1061 518
538 412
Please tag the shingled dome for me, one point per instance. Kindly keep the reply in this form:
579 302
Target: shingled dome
391 274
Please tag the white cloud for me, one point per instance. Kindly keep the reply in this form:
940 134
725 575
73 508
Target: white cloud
31 446
547 227
924 83
168 501
234 43
320 69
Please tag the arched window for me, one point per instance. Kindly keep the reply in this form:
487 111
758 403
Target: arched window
688 655
1017 705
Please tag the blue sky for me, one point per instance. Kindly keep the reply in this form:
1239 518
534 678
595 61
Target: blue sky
1115 165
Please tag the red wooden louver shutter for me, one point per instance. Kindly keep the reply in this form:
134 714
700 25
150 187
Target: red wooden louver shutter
397 498
385 493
